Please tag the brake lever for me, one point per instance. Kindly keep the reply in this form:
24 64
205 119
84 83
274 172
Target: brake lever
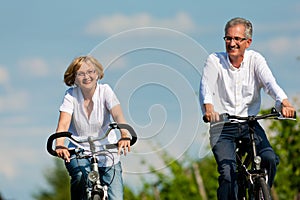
224 117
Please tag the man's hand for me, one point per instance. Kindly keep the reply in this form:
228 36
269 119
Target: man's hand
287 109
210 115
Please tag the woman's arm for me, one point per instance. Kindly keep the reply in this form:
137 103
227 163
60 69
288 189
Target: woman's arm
63 125
118 117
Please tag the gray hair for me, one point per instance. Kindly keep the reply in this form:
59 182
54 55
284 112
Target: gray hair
246 23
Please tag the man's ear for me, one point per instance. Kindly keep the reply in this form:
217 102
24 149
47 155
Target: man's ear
248 42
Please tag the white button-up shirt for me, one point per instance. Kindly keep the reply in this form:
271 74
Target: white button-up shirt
237 90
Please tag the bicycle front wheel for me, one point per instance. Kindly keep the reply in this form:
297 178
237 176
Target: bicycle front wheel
262 190
98 196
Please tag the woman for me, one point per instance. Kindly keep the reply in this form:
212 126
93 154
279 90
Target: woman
86 110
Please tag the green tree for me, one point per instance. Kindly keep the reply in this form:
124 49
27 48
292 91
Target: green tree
129 195
286 144
182 181
59 183
209 173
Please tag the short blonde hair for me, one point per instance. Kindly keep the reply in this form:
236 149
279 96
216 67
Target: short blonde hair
70 73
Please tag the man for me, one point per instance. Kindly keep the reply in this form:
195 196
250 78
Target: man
231 83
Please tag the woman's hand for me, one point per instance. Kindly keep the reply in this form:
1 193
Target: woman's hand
63 153
124 145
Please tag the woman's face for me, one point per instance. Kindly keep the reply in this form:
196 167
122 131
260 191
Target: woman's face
86 76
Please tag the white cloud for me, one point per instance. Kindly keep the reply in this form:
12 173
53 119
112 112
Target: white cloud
4 80
118 63
17 148
34 66
14 101
12 121
275 27
11 99
280 46
10 167
4 76
111 60
108 25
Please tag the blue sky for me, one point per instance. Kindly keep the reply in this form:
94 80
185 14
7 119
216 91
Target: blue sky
152 51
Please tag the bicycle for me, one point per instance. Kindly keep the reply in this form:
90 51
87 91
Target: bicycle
95 190
251 177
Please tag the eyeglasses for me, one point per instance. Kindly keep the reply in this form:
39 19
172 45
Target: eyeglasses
89 73
236 39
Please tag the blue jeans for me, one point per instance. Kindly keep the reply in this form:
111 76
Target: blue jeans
222 139
111 176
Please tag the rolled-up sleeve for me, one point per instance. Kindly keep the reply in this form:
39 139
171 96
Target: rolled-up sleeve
268 81
208 81
111 99
67 104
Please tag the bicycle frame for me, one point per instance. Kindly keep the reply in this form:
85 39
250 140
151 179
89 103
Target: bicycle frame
253 180
94 188
249 170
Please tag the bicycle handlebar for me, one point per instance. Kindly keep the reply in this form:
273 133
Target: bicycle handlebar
225 117
108 146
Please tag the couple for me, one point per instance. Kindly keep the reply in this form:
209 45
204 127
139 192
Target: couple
237 75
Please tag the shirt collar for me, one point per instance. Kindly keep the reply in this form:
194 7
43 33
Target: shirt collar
242 63
96 93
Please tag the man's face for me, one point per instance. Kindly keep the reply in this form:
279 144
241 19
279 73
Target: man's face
235 41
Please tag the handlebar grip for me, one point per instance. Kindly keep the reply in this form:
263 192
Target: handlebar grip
131 131
223 117
295 115
52 138
205 119
123 126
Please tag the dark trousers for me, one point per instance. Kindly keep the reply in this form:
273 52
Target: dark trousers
223 142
